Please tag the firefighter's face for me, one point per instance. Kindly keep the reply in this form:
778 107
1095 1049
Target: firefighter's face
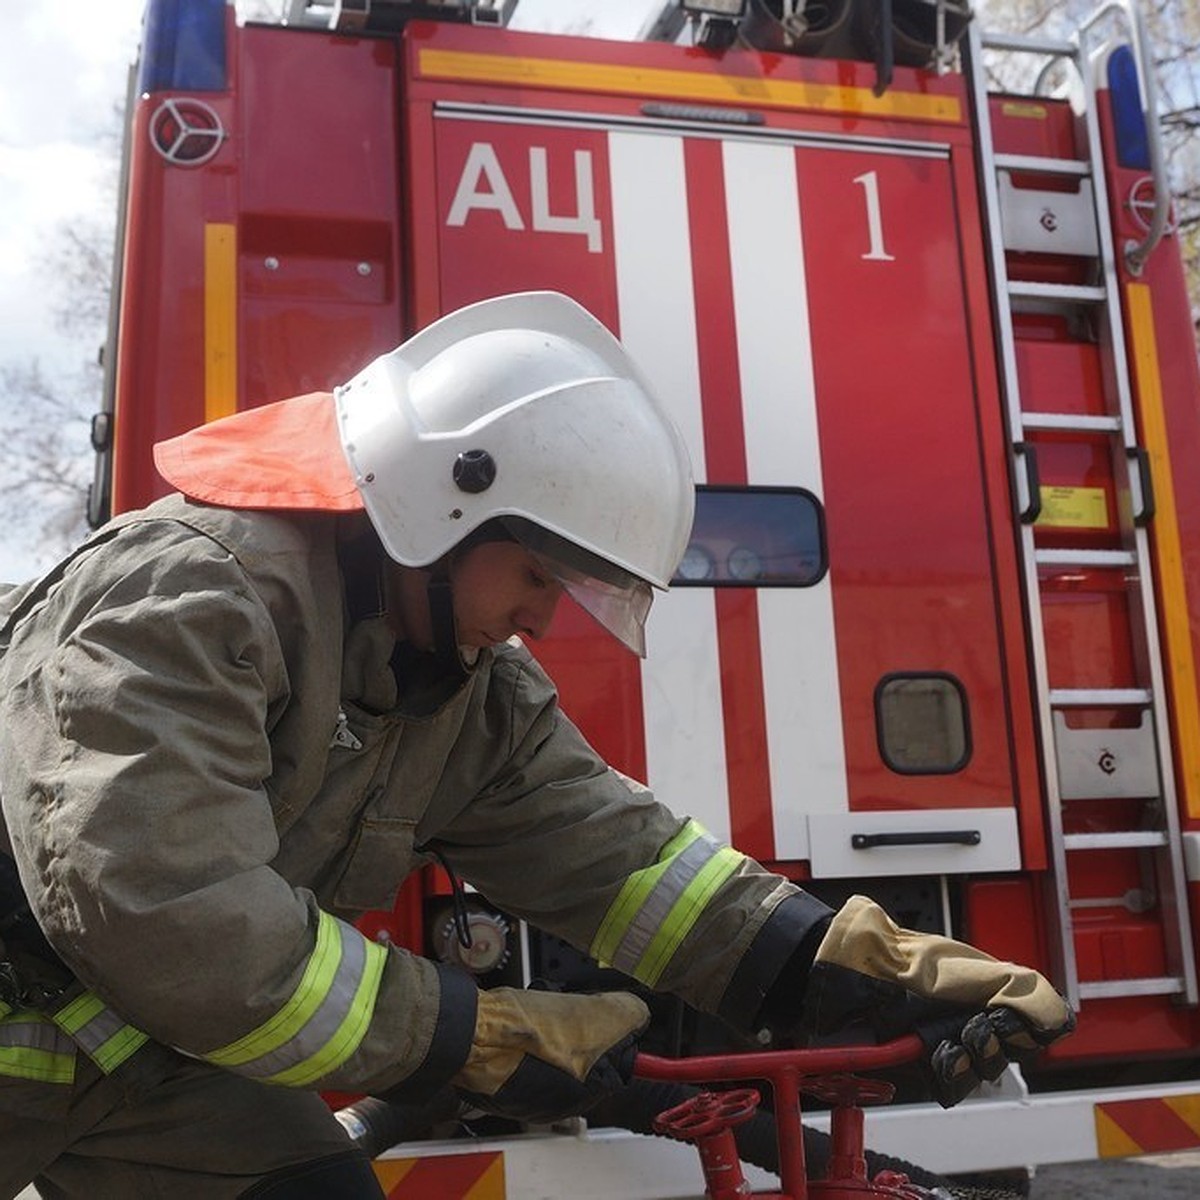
501 589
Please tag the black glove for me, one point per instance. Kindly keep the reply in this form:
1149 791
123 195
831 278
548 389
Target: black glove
974 1012
541 1056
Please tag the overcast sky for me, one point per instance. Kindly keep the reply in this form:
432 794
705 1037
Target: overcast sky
62 71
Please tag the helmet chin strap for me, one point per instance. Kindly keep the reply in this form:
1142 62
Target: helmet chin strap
440 595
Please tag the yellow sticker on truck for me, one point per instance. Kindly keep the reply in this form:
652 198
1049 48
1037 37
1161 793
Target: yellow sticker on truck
1074 507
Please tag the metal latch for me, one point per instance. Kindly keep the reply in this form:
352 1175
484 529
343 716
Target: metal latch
343 735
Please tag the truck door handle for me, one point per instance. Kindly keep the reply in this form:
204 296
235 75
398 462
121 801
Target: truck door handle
1141 459
1028 456
931 837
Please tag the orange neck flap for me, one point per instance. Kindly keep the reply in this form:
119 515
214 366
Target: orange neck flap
286 455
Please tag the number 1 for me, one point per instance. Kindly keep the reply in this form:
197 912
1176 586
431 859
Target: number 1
870 183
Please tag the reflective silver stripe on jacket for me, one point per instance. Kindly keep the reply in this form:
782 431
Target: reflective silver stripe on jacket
325 1019
106 1039
32 1047
659 905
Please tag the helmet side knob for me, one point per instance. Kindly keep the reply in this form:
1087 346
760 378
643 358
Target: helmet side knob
474 471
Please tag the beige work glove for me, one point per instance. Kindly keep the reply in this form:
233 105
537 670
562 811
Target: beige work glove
539 1056
975 1012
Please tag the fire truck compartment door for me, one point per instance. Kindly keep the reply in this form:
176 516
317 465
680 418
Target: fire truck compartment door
948 841
799 303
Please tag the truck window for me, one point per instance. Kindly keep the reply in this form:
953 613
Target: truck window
921 720
754 537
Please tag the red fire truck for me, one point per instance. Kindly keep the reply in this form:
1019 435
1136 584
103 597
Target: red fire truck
935 636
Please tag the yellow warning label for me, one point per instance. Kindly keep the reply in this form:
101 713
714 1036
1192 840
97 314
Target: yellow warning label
1018 108
1074 507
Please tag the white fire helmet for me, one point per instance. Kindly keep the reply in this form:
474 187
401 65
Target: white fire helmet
525 409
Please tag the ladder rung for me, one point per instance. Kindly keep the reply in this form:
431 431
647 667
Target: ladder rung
1126 840
1100 697
1042 166
1164 985
1071 422
997 40
1066 292
1085 558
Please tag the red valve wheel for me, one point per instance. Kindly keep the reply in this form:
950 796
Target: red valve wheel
848 1089
707 1113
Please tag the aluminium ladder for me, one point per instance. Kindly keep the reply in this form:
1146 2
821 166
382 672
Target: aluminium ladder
1078 762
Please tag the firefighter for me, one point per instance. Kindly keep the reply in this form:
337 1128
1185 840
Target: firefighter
238 718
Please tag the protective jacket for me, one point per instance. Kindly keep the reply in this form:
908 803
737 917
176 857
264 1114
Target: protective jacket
213 758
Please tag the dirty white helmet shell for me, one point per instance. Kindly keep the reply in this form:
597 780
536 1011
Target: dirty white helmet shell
522 406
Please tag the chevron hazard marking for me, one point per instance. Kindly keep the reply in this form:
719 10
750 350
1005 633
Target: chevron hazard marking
1125 1127
447 1176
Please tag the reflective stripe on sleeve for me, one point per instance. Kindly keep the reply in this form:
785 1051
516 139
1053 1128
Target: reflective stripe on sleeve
658 906
31 1047
103 1036
325 1019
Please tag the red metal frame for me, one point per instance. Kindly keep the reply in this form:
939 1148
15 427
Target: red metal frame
823 1072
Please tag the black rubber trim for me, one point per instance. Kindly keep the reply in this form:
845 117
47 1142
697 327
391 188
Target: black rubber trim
778 961
451 1042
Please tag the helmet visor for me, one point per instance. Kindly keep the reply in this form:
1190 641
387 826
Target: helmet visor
622 611
616 598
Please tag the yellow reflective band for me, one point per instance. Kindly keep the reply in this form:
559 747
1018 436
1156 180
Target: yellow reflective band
324 1021
220 320
75 1015
685 913
292 1017
351 1031
113 1051
42 1066
32 1047
634 892
106 1039
659 906
1164 530
506 69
